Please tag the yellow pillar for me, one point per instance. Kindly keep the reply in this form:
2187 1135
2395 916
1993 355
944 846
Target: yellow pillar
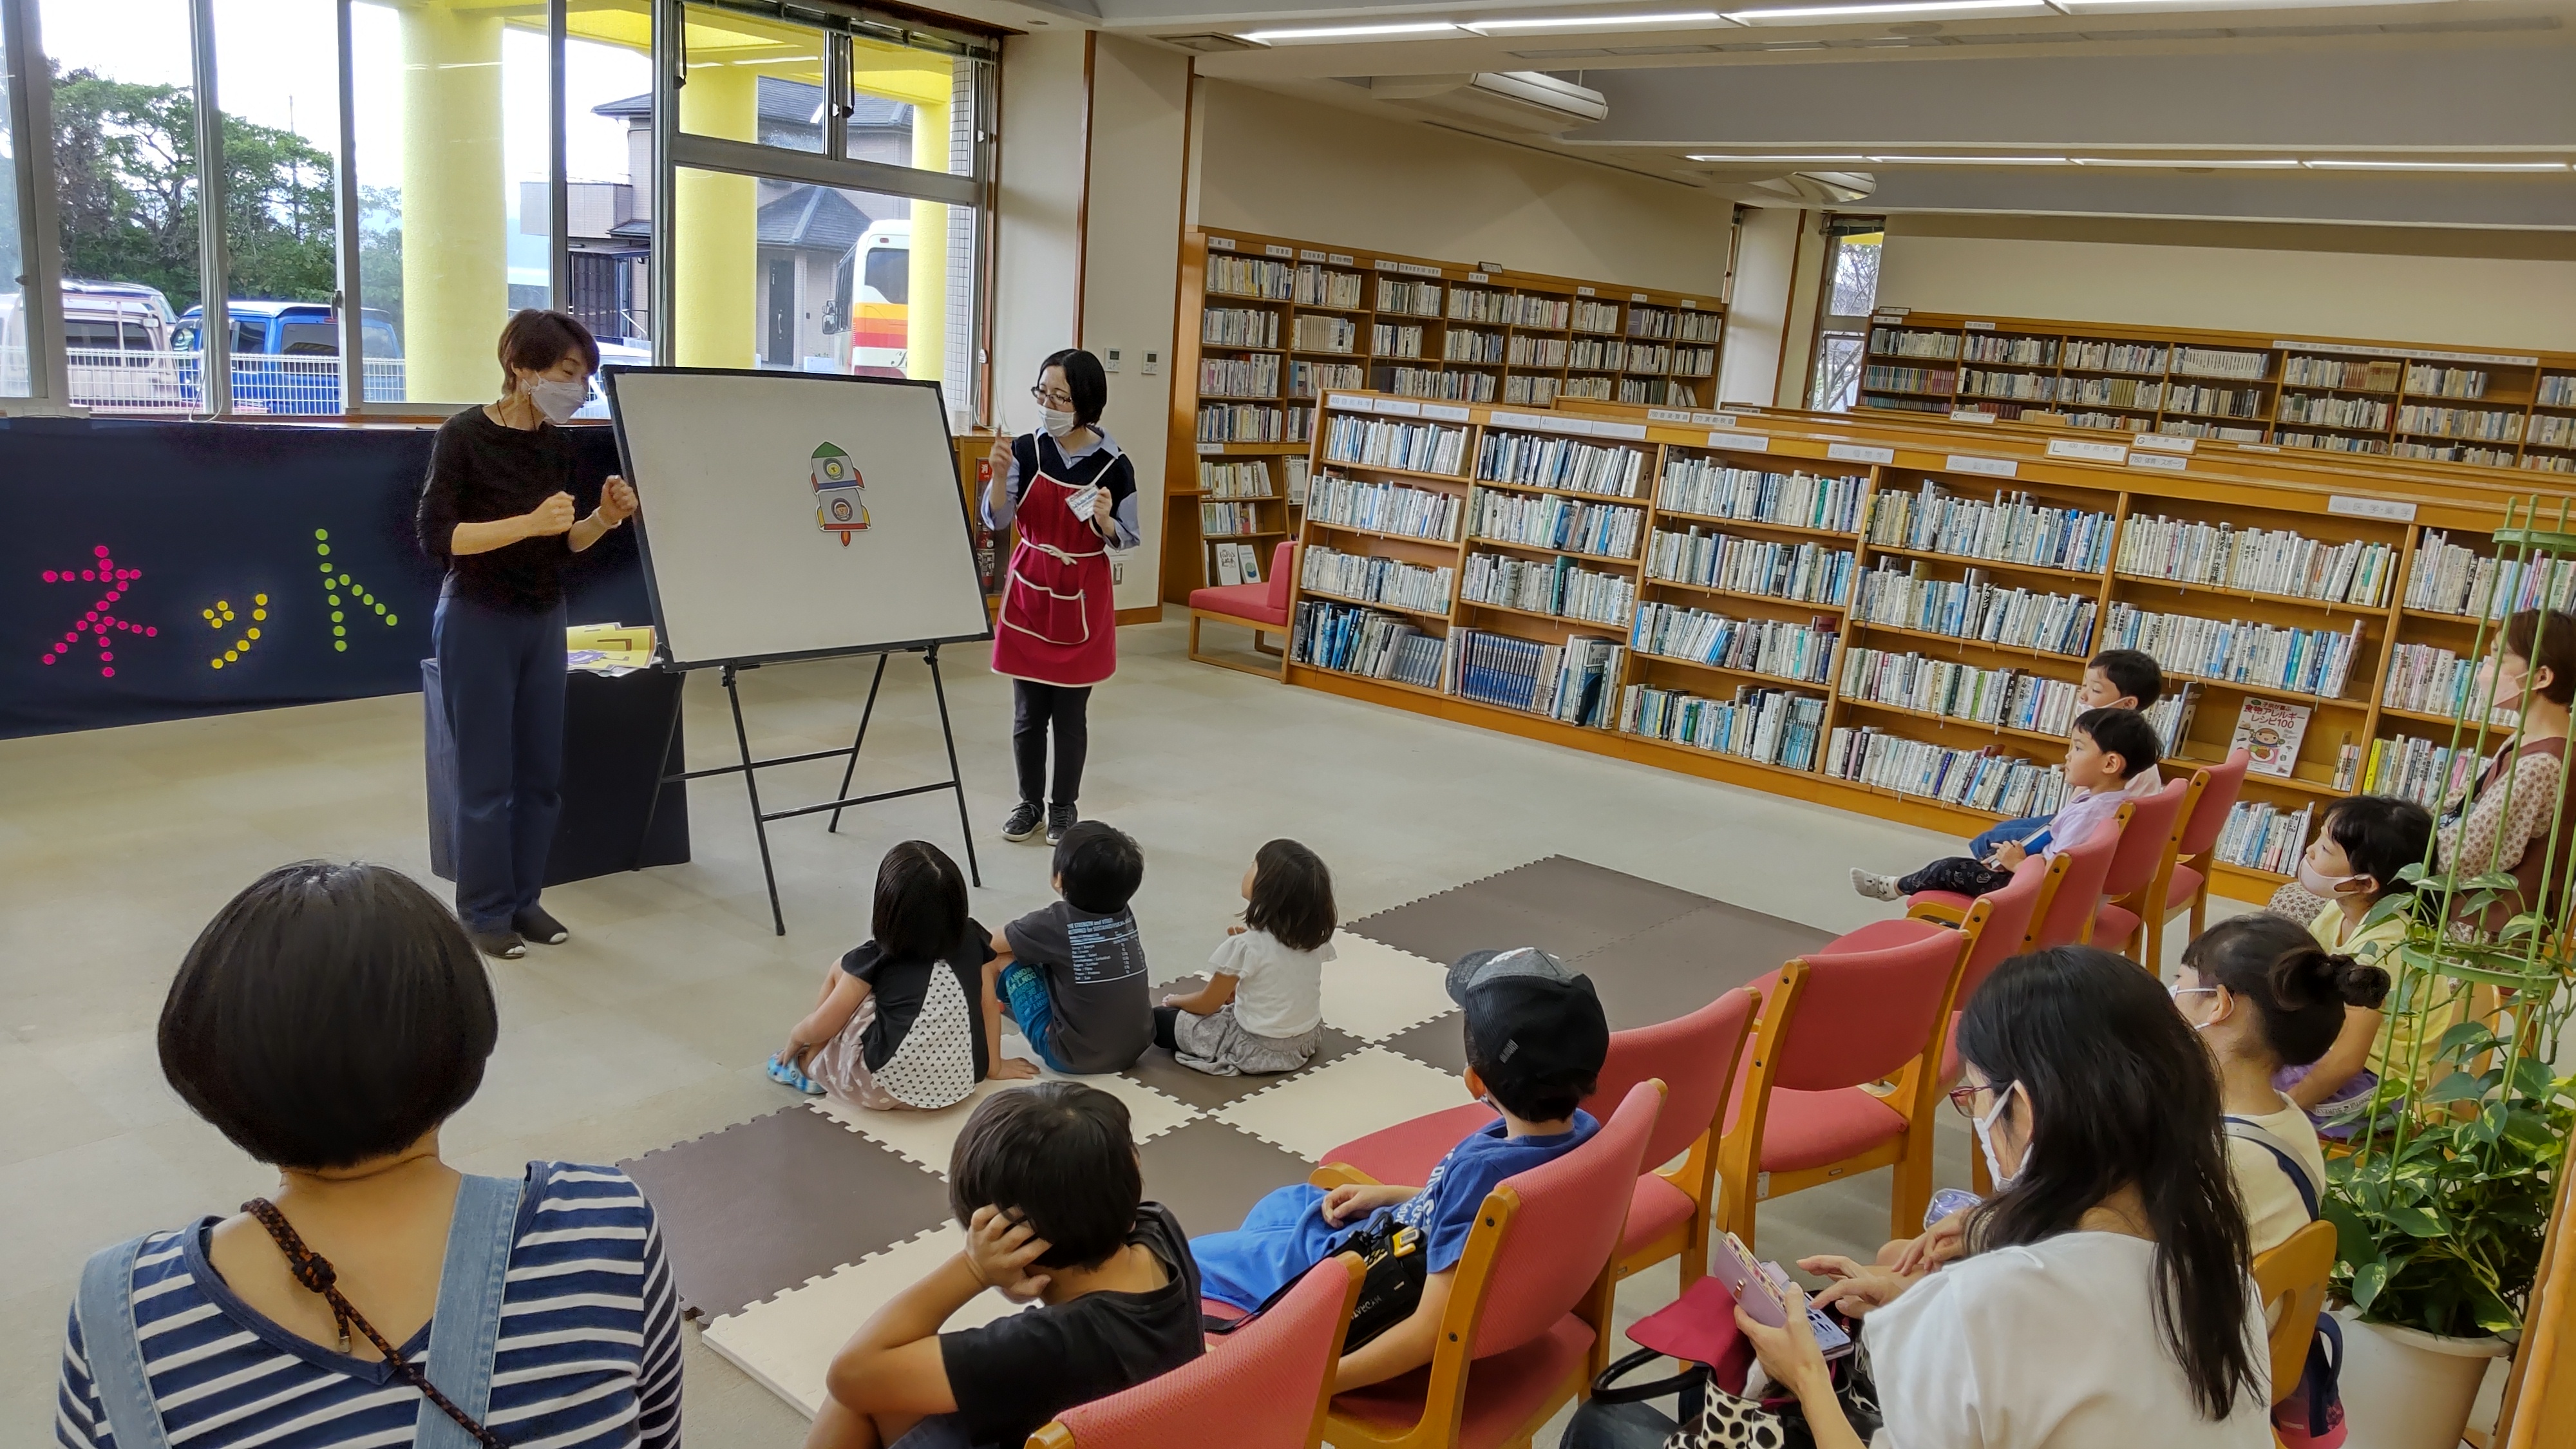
456 270
925 321
717 236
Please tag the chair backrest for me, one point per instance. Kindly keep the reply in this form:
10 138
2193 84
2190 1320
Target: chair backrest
1864 1014
2009 914
2209 813
2079 892
1693 1056
1269 1385
2292 1279
1283 562
1562 1229
2144 838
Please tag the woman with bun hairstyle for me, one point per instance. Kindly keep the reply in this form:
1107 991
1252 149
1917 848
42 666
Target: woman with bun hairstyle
2265 996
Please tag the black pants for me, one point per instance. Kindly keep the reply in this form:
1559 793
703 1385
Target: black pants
1958 874
501 675
1033 707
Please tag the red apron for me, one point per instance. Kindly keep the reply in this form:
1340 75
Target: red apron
1058 623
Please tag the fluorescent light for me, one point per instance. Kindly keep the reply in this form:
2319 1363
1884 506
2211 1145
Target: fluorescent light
2438 165
1971 160
1886 7
2171 163
1351 32
1590 22
1783 160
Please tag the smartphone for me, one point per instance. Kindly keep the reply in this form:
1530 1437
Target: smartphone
1761 1289
1829 1333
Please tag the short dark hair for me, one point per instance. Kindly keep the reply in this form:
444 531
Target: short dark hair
1084 378
2381 835
2298 991
1058 1155
921 903
536 338
327 1015
2122 732
1099 866
1292 896
2540 643
1543 1099
2133 672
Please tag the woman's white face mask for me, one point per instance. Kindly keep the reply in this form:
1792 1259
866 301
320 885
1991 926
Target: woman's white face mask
557 399
1058 421
1986 1138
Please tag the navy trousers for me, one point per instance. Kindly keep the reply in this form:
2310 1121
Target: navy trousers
502 674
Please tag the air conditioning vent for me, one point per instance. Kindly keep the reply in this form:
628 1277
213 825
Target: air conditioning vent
1525 101
1210 41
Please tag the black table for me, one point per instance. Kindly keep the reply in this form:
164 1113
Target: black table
614 754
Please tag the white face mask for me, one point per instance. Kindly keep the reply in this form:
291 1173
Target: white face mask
556 399
2179 992
1057 421
1986 1142
2317 883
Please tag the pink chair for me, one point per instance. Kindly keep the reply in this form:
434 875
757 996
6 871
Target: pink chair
1836 1023
1529 1312
1269 1385
2143 870
1261 607
2188 887
1999 927
1672 1212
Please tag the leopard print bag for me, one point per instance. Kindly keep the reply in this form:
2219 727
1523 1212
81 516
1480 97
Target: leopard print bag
1777 1422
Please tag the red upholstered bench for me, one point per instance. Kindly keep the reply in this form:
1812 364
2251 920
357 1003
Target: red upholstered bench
1262 608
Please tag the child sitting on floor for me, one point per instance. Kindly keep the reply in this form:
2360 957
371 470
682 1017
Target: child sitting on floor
1074 972
2113 679
2108 749
1536 1039
1046 1182
907 1018
2361 845
1262 1010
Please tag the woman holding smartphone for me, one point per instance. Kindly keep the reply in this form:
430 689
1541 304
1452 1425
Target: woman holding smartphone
1072 493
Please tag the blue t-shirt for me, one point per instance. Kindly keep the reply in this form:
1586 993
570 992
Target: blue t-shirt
1285 1233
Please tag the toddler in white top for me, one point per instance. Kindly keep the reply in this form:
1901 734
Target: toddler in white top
1262 1010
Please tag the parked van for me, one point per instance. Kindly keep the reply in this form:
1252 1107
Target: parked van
286 356
116 339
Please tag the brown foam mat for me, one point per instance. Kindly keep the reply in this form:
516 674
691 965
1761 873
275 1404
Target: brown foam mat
1210 1173
1677 966
1559 904
763 1206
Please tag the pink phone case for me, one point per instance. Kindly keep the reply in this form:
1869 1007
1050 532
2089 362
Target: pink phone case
1729 1263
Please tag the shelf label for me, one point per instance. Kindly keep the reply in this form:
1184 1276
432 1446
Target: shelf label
2388 508
1991 467
1273 249
2258 447
1890 314
1691 302
1398 407
2089 452
1409 269
1550 422
1855 453
1207 448
2166 462
1636 296
1979 326
1668 415
1445 412
1971 415
1220 244
2419 354
1479 277
1605 428
2163 442
1305 255
1716 420
1339 259
1583 292
1741 442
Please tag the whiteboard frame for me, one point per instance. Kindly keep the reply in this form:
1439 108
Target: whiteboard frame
644 538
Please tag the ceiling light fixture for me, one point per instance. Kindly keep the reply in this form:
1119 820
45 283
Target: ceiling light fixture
1971 160
1352 32
1780 160
1590 22
1881 8
2340 165
2196 163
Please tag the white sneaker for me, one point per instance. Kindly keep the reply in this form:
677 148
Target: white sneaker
1876 887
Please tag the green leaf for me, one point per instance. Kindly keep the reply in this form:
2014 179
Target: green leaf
2526 1128
2467 1038
2411 872
2532 1078
2458 1087
2367 1281
2413 1218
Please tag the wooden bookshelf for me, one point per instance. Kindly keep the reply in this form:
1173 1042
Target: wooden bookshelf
1268 323
2342 396
2391 506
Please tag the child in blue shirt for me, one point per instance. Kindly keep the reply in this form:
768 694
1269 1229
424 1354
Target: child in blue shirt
1536 1038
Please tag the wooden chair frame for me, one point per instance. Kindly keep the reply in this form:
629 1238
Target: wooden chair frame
2147 903
1696 1178
1260 629
2293 1275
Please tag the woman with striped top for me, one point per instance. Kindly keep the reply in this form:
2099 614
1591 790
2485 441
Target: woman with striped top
328 1020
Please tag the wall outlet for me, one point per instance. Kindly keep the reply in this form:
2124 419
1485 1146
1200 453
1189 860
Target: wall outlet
1117 572
1109 359
1153 362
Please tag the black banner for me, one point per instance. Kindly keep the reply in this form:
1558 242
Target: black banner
159 570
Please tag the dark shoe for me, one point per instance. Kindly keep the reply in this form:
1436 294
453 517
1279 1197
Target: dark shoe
1023 822
504 945
1060 818
535 924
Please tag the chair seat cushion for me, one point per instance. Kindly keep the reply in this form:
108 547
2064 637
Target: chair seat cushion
1950 901
1406 1152
1811 1129
1250 602
2186 884
2112 927
1657 1208
1880 936
1504 1392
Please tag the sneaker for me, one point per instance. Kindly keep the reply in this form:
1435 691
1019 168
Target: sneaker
504 945
787 1075
1060 818
1023 822
1876 887
540 927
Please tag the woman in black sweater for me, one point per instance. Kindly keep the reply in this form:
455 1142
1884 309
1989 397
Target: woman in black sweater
498 512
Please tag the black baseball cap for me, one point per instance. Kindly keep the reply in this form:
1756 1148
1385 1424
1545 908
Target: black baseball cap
1533 1021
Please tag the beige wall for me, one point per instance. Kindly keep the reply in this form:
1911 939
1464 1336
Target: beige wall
2462 288
1037 258
1294 167
1758 315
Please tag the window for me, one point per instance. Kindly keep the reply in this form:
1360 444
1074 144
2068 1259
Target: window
15 379
1852 248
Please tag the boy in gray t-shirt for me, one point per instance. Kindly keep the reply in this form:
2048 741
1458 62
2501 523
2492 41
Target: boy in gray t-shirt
1074 972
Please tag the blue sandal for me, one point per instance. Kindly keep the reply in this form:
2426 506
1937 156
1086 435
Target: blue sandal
787 1076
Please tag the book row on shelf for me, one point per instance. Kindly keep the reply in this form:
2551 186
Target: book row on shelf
1229 520
1250 423
1396 508
1714 488
1557 587
1975 608
1546 462
2005 529
1234 480
1806 573
1775 647
2301 661
1767 726
1365 578
1233 563
1985 780
1575 682
1239 376
2010 698
2451 579
1474 387
2420 770
1555 520
2263 837
1414 447
2426 679
2255 560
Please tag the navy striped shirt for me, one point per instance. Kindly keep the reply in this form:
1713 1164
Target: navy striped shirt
589 1356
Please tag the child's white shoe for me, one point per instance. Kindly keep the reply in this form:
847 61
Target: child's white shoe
1876 887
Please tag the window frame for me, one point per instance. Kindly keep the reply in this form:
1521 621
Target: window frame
1838 226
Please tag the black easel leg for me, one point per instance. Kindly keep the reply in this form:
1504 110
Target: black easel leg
662 778
852 769
751 787
956 781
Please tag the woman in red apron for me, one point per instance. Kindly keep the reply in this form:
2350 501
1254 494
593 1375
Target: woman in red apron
1056 636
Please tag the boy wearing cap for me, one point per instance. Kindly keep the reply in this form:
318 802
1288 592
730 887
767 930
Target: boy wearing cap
1536 1038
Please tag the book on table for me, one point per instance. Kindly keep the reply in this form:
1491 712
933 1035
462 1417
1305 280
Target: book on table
2269 730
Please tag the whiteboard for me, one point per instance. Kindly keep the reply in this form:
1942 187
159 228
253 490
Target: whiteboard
790 514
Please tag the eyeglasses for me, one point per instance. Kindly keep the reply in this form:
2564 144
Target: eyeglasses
1056 396
1964 1097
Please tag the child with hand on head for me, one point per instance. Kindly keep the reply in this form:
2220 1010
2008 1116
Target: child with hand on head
1046 1182
2352 865
1536 1039
1263 1007
908 1017
2113 679
1074 972
2109 750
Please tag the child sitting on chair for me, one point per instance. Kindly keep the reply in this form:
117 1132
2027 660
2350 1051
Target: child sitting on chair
907 1018
1046 1182
1536 1039
1074 972
2113 679
2108 751
2361 845
1263 1007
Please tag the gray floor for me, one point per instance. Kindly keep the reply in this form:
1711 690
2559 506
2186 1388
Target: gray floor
650 1026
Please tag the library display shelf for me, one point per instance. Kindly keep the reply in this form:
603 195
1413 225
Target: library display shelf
2276 527
1268 324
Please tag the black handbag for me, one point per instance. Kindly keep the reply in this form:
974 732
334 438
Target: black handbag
1390 1289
